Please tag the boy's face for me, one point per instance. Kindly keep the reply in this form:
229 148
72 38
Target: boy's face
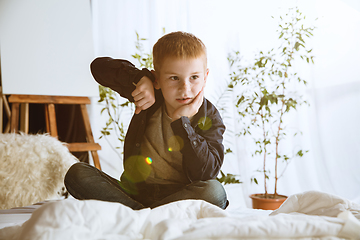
180 81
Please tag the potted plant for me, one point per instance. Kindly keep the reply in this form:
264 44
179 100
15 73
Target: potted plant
268 86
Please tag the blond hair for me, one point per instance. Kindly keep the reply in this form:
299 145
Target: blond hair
180 45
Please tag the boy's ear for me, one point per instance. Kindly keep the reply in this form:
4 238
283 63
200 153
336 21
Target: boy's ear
206 74
155 83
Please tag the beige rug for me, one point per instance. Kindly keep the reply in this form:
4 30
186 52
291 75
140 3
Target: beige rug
32 169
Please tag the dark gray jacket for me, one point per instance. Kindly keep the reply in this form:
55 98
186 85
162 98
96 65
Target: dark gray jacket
203 151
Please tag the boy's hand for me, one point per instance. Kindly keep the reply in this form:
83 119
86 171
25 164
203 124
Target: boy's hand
143 95
190 109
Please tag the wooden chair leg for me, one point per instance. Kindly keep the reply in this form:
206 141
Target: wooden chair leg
50 116
1 112
96 160
8 113
47 119
14 124
24 118
89 135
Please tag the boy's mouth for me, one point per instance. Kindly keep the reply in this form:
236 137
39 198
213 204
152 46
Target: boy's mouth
184 100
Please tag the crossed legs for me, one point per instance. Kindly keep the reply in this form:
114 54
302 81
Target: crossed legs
84 181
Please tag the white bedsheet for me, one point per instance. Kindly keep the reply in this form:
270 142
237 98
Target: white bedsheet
310 215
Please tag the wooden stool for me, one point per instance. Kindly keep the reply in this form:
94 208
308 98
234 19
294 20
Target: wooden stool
51 127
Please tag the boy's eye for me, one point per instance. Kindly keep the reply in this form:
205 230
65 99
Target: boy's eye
174 78
194 77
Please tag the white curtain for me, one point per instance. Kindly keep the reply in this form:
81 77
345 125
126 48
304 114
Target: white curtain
330 125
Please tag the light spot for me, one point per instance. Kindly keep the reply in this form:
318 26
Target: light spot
205 123
137 168
175 143
148 160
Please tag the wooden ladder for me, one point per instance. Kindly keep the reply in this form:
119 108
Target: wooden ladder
50 117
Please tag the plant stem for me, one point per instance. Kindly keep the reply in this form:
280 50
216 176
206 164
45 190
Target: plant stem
265 152
277 147
289 59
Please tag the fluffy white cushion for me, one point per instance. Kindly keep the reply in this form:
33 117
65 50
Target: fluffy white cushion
32 168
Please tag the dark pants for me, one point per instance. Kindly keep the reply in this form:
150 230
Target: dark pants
84 181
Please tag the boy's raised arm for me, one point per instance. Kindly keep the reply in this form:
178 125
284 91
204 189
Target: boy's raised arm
119 75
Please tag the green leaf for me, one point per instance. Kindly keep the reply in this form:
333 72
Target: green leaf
300 153
263 102
228 150
240 100
255 180
228 178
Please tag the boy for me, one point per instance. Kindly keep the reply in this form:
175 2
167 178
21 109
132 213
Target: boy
173 148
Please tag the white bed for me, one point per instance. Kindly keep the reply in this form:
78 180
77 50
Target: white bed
309 215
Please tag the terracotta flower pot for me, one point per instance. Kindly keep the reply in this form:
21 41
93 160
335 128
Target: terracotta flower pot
260 202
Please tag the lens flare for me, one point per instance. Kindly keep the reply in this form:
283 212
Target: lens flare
148 160
205 123
175 143
137 169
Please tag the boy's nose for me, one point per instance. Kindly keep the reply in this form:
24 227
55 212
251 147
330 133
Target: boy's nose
185 85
